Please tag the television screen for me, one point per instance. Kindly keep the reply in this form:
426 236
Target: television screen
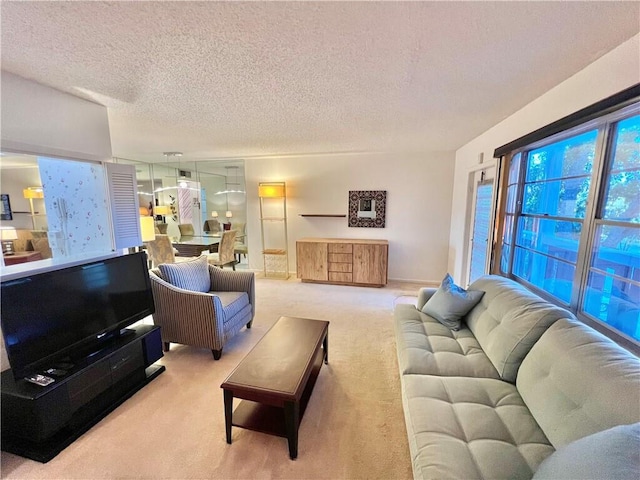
50 315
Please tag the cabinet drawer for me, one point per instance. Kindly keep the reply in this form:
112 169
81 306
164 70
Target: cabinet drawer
126 361
340 258
340 277
89 384
341 267
340 248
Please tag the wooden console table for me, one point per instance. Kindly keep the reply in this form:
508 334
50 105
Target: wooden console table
343 261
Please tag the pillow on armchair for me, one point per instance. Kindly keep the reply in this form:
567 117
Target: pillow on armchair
190 275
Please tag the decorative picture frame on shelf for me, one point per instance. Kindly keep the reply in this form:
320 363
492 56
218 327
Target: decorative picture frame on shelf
5 207
367 208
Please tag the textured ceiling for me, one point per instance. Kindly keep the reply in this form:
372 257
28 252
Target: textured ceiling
236 79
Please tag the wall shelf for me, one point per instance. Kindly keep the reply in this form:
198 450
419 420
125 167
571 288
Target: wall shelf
323 215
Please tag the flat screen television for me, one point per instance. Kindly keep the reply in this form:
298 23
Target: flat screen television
48 316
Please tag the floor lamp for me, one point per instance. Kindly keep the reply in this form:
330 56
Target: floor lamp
31 193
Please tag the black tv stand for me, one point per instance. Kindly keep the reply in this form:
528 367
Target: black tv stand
39 422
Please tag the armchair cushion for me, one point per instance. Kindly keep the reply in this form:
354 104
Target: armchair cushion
233 303
192 275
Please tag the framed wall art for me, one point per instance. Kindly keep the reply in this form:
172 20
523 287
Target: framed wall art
5 207
367 208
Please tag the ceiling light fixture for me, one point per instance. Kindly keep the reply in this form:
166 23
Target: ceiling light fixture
228 190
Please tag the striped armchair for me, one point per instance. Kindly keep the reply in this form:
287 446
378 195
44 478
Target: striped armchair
204 320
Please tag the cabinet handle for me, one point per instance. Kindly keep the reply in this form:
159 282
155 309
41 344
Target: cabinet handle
120 362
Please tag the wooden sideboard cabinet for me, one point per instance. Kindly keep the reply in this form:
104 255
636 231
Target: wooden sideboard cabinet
343 261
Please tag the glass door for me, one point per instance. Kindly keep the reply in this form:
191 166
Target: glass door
481 205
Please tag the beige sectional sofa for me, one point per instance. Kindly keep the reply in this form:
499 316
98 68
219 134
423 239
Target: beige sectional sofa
521 379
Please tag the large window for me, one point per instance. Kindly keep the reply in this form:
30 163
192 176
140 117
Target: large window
572 220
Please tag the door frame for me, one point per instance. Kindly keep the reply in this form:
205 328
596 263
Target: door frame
472 184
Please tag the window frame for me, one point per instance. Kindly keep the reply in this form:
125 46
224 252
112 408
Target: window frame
605 124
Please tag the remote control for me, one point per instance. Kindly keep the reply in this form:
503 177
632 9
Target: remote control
38 379
56 372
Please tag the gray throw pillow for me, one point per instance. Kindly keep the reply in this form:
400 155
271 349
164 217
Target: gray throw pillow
451 302
192 275
612 454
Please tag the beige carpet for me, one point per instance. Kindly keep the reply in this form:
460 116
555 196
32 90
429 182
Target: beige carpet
174 428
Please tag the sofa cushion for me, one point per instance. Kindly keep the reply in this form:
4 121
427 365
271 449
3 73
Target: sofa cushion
450 303
191 275
470 428
508 321
426 346
577 382
613 454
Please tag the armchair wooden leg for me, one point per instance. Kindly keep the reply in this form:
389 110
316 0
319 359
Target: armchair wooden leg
249 324
167 346
216 354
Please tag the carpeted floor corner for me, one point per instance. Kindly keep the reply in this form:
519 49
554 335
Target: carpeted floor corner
353 427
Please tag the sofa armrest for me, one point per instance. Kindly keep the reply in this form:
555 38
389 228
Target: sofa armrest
424 294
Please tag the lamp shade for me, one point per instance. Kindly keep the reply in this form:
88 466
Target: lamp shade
214 214
162 210
147 227
33 192
271 190
228 214
8 233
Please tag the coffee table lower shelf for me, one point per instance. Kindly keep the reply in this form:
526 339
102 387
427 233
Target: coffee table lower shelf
260 418
268 418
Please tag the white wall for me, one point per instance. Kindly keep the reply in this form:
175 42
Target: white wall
41 120
613 72
418 210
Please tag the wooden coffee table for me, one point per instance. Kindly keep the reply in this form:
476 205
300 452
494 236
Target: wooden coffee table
276 379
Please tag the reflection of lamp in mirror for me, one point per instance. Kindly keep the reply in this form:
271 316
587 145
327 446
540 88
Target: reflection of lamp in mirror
147 228
8 234
163 210
214 214
31 193
229 215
